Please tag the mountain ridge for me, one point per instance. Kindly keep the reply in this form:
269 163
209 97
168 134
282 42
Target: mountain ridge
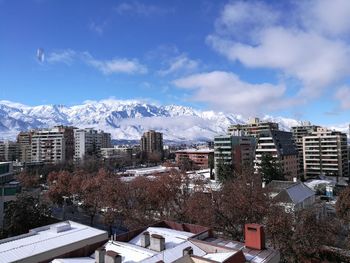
124 119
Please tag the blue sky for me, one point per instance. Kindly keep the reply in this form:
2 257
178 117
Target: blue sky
280 58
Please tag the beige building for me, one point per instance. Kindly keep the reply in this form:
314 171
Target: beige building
52 145
24 140
298 133
253 128
325 153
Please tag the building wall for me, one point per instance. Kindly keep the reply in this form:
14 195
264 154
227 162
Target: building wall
9 151
24 140
88 142
298 133
236 151
280 145
325 152
199 158
152 143
48 146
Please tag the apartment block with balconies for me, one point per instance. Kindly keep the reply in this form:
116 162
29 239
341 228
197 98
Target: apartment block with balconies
325 153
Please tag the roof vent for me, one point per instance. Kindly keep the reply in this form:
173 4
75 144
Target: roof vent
157 243
61 227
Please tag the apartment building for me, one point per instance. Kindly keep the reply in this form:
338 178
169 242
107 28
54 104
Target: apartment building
253 128
305 129
106 140
116 153
152 143
325 153
280 145
24 141
52 145
233 150
88 142
199 157
9 151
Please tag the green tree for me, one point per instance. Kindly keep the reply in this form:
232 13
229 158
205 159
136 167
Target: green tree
270 168
224 171
25 213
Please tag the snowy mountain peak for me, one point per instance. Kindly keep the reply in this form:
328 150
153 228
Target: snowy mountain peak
124 119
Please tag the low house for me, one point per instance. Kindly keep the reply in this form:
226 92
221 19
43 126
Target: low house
292 195
168 241
43 244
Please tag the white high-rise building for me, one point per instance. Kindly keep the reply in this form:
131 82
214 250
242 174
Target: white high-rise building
88 142
48 146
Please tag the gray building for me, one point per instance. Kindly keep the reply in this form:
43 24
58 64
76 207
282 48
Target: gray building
280 145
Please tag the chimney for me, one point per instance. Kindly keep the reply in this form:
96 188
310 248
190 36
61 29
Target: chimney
100 255
157 243
145 239
254 236
187 251
112 257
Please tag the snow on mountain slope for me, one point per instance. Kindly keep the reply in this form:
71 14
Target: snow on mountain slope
124 119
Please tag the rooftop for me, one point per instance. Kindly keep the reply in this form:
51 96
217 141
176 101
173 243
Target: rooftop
178 238
43 239
289 192
195 151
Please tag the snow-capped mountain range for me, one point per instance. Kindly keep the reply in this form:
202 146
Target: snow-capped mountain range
124 119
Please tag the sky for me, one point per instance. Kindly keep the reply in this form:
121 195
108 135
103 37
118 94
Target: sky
282 58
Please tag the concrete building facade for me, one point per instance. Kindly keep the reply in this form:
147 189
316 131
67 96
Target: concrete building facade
234 150
24 141
52 145
9 151
88 142
298 133
325 153
152 143
199 157
253 128
280 145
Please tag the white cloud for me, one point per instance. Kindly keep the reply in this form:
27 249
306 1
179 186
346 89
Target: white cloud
107 67
97 28
120 65
65 56
225 91
139 8
180 63
330 17
260 36
343 95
